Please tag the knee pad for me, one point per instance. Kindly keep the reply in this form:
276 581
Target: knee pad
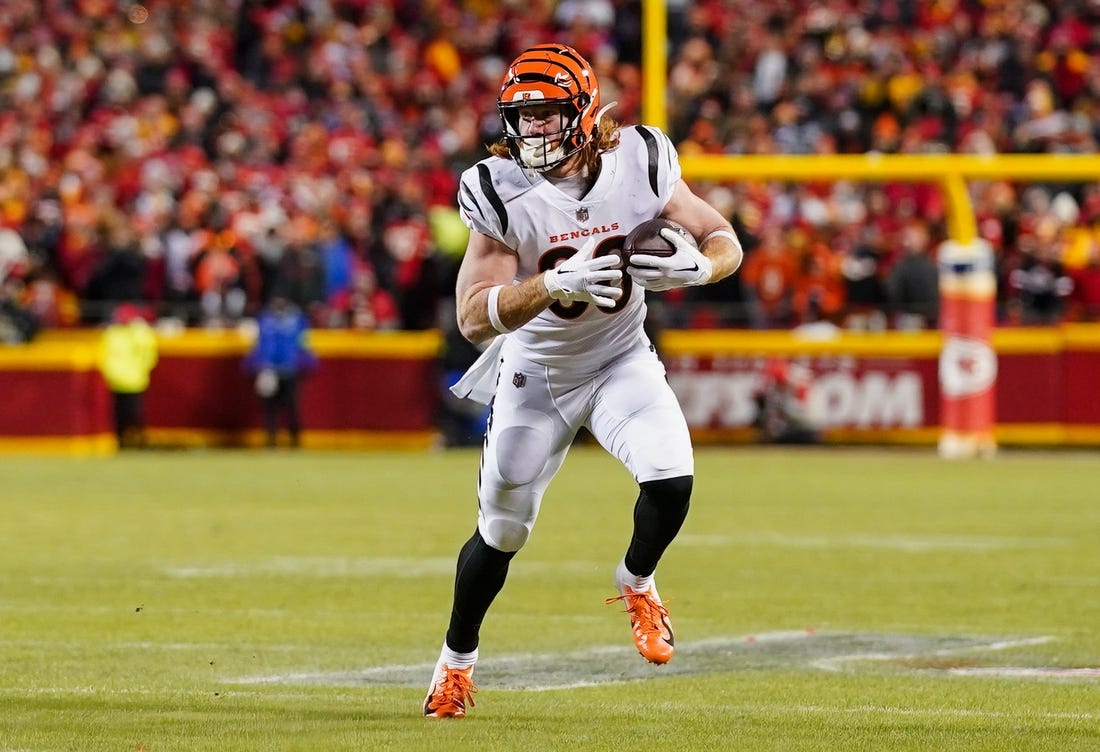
521 454
672 493
505 535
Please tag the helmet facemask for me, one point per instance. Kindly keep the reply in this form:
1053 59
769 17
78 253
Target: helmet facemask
549 148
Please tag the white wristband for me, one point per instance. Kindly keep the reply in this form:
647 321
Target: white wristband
720 234
733 239
494 314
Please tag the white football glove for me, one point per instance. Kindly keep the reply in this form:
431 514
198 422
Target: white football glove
687 267
584 279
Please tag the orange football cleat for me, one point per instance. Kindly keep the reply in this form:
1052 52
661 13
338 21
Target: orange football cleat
450 691
649 621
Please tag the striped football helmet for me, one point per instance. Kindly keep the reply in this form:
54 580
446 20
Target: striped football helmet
549 75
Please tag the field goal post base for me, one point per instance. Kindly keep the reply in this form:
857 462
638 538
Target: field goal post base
958 446
968 363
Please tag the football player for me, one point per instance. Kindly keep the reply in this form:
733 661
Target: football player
548 213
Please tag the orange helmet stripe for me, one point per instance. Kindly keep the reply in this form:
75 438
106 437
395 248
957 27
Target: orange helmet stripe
554 71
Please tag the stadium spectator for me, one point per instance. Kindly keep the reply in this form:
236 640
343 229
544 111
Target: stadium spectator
861 266
50 304
1037 282
1084 300
818 285
17 321
300 275
14 256
167 113
414 269
367 306
338 263
768 278
913 282
119 274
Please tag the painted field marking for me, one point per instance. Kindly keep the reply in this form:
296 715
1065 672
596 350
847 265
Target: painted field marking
781 650
904 543
918 712
837 662
403 567
318 566
100 647
1028 672
97 691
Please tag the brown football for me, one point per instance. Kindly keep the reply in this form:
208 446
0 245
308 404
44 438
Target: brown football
646 239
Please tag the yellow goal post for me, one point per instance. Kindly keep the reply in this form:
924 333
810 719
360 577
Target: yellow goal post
950 171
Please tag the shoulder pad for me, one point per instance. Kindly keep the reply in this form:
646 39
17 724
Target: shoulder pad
484 192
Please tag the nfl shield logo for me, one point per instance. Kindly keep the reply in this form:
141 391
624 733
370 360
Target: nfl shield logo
518 380
582 214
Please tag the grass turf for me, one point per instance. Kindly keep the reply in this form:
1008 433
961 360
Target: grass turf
238 601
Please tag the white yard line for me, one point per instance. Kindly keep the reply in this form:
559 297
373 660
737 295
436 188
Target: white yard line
404 567
1028 672
904 543
837 662
100 647
920 712
317 566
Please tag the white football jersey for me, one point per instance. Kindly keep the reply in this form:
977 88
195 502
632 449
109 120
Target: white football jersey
526 212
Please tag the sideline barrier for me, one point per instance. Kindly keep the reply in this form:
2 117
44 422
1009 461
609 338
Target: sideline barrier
53 400
382 390
885 388
370 390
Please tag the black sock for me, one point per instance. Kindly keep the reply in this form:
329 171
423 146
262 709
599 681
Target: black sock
481 572
660 512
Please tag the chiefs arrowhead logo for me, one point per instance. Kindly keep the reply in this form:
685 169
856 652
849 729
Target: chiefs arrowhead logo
968 366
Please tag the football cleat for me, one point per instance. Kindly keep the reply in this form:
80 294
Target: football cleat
450 691
649 622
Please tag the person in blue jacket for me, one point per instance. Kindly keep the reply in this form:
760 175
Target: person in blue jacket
279 359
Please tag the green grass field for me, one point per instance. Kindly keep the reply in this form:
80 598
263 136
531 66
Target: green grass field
831 599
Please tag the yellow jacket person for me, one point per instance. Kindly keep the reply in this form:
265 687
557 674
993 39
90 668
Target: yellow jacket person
127 356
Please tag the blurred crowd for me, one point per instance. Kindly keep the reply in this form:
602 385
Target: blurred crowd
202 158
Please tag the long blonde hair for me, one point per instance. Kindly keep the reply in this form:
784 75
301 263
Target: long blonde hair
606 139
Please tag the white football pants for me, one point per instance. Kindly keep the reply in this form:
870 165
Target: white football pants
627 405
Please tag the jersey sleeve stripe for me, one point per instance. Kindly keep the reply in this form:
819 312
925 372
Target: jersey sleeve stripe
654 157
494 199
470 200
